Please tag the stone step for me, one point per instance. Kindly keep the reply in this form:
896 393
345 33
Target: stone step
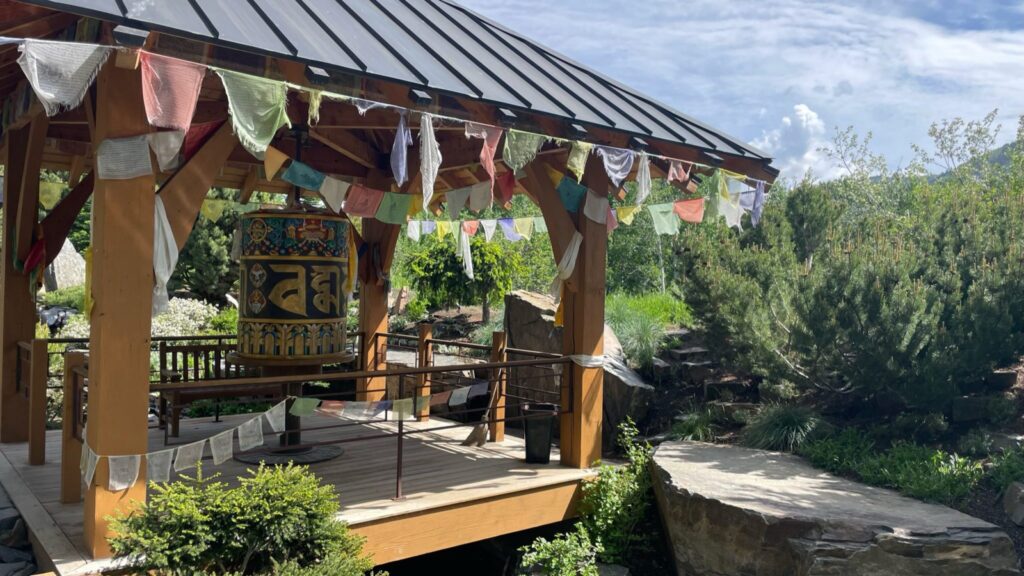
688 353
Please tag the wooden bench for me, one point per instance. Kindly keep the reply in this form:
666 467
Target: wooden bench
206 366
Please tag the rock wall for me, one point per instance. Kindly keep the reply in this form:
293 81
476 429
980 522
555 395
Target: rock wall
530 325
733 511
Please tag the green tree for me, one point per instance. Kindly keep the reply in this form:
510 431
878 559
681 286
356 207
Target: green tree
439 278
205 266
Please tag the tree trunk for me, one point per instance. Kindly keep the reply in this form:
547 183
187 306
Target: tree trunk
486 315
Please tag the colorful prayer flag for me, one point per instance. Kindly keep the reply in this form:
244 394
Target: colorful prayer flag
394 208
690 210
258 108
363 201
170 89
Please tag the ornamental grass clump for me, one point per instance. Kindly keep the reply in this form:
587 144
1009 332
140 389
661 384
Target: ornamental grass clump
782 427
278 520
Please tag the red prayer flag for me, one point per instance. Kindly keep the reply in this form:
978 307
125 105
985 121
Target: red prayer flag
196 136
362 201
470 227
506 187
690 210
170 89
612 221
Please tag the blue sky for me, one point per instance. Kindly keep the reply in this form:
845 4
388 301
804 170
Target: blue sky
783 74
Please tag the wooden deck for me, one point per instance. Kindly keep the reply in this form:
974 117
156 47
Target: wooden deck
452 494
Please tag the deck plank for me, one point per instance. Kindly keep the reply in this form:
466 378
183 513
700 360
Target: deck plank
438 472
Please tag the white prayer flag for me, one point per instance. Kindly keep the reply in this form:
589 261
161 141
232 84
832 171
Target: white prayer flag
61 72
276 416
166 147
158 466
250 434
413 230
489 227
123 158
430 158
165 256
189 455
596 208
92 459
334 192
480 196
643 179
459 396
124 471
223 446
456 201
360 410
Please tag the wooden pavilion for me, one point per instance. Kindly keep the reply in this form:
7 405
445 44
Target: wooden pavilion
421 55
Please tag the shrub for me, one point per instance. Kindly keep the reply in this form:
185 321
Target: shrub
641 337
923 473
1007 468
615 502
225 322
781 427
977 443
277 515
1002 410
70 297
569 554
697 425
184 317
416 310
842 453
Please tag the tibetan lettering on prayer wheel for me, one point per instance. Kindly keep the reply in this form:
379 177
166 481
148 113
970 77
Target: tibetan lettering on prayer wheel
293 268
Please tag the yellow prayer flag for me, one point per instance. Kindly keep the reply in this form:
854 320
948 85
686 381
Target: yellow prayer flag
272 161
353 262
523 227
554 175
49 194
212 209
444 228
626 214
416 205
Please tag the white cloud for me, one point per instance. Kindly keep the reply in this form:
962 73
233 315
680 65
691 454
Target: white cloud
891 68
795 144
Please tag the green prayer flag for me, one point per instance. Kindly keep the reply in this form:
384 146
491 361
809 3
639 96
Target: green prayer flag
394 208
578 158
539 225
521 148
402 408
665 219
571 193
304 406
421 403
258 107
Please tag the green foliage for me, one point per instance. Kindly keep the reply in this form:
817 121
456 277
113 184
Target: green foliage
569 554
924 473
1007 468
201 526
641 337
205 266
615 502
668 309
900 293
912 469
782 427
205 408
438 276
843 453
697 425
416 310
225 322
70 297
977 443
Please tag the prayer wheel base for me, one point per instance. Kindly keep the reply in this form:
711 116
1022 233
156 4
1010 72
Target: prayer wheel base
308 455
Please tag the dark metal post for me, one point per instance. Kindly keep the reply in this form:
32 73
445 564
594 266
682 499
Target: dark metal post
398 478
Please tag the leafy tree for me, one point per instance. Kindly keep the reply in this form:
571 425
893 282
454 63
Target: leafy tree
439 277
205 266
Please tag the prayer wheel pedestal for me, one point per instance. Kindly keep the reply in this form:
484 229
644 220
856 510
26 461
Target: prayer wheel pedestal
293 435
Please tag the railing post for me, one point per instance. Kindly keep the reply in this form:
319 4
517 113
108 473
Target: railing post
424 353
70 445
400 457
38 374
497 421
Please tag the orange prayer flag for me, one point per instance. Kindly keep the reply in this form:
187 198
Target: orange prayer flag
272 161
690 210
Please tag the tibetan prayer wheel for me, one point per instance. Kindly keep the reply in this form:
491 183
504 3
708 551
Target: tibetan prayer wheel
294 268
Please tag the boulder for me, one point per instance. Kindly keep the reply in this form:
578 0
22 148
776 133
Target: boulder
530 325
1013 503
738 511
67 269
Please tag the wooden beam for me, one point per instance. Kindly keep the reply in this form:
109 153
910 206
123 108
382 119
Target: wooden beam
558 220
419 533
17 309
28 203
249 185
58 223
350 146
183 193
122 289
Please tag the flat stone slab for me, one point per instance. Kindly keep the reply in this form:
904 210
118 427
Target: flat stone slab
732 510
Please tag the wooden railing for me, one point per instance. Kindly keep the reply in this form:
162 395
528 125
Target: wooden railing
473 363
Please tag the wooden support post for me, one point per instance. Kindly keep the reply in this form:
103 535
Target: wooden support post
380 239
17 310
498 377
122 289
583 311
70 446
28 201
38 373
424 354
